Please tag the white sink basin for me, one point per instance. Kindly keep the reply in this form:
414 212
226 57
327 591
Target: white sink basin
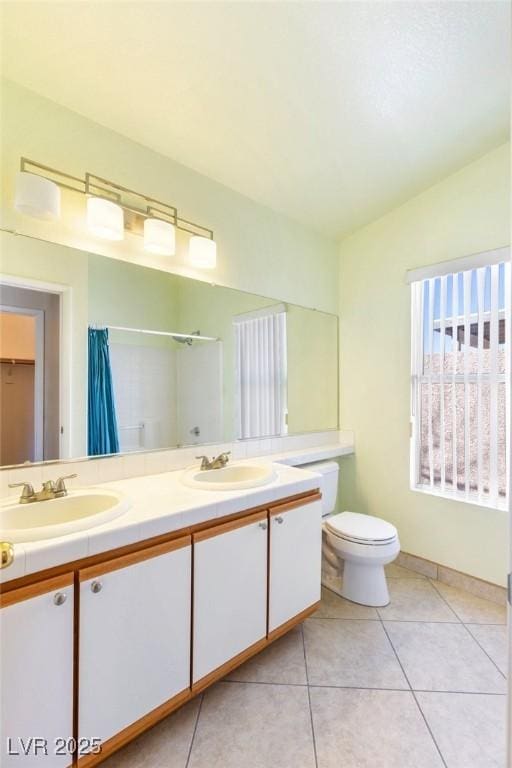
77 511
230 478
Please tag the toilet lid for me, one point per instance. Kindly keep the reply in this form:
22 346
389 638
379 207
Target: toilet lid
356 527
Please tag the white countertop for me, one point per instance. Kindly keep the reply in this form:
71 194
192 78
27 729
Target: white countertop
159 504
318 453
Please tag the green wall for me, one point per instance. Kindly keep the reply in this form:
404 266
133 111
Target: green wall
312 343
106 291
126 295
312 370
466 213
259 250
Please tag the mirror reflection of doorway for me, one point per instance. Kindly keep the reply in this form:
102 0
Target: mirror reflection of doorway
29 375
18 395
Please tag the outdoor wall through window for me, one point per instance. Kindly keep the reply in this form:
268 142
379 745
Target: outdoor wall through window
460 380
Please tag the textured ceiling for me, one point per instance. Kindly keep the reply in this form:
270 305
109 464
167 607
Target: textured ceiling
331 113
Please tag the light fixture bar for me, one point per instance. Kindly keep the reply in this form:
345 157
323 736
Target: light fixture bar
202 229
27 166
153 212
110 188
97 186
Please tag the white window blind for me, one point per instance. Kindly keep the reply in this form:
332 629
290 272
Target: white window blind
460 384
261 371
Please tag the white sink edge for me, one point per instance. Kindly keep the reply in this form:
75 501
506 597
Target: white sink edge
188 479
58 530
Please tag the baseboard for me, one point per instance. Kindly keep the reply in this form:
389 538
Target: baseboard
453 578
431 570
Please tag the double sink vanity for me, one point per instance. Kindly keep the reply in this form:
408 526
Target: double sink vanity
131 588
69 512
176 579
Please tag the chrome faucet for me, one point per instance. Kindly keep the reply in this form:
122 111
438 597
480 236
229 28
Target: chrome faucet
216 463
50 490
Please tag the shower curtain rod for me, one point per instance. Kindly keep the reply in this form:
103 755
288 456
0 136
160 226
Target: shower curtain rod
192 336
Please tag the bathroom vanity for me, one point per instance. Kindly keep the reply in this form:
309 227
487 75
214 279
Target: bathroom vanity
98 649
107 628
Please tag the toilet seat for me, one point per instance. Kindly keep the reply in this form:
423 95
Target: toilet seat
361 529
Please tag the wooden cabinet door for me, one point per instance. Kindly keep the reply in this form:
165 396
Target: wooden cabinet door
295 560
230 592
36 671
134 650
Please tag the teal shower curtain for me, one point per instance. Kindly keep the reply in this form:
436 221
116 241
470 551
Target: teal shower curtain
102 434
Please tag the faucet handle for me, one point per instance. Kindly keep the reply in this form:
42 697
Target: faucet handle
60 486
28 489
205 461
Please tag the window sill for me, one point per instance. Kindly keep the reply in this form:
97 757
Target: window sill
460 496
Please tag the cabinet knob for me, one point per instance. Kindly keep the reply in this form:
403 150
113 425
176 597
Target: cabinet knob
279 519
96 587
263 525
59 598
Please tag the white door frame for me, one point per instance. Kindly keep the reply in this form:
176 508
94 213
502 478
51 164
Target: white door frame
65 352
38 314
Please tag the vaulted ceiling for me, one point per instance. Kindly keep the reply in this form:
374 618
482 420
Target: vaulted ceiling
329 112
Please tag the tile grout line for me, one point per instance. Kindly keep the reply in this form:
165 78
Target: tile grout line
357 687
484 624
407 690
265 682
471 634
477 641
396 621
309 694
194 731
447 584
414 696
457 620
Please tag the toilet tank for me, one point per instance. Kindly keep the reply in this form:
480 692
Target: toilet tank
329 471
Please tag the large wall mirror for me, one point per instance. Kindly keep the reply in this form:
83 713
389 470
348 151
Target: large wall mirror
102 356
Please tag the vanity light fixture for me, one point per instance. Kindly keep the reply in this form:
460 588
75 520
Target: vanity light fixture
105 219
111 209
37 196
203 252
159 237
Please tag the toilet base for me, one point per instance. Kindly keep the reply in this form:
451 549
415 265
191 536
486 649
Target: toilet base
365 584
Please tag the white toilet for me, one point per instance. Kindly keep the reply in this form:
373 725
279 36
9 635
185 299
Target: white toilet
357 546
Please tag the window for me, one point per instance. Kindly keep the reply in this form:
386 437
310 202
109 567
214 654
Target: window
261 372
460 383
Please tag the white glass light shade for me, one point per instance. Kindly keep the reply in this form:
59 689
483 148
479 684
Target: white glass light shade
105 219
159 237
202 252
37 196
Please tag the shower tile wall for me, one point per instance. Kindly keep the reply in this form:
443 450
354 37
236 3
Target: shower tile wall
145 395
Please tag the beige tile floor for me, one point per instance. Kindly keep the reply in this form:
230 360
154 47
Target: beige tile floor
418 684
